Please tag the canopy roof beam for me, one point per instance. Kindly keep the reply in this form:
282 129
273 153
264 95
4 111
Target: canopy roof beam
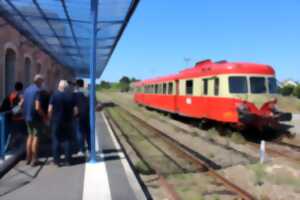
34 17
82 47
48 23
71 27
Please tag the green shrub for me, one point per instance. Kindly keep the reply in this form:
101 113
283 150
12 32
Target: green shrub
296 91
287 90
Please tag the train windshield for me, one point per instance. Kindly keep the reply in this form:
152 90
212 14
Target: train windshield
238 84
272 85
258 85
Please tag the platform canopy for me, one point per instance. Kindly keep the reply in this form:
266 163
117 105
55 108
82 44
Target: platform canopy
62 28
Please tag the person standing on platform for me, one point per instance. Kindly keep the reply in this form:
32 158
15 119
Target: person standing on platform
34 118
62 110
83 119
17 123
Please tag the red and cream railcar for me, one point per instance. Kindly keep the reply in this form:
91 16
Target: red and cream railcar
229 92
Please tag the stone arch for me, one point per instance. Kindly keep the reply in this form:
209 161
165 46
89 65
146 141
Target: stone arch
10 70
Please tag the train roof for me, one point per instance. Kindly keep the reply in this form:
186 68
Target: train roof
209 68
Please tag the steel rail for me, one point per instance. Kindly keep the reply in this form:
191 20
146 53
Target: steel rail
229 185
178 153
163 181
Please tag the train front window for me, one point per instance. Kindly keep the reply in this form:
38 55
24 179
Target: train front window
272 85
258 85
238 84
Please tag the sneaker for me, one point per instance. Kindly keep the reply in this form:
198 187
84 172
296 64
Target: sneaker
80 154
28 161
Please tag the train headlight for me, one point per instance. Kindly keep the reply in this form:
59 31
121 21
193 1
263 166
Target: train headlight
273 107
242 107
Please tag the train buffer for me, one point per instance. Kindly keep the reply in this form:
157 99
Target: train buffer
111 177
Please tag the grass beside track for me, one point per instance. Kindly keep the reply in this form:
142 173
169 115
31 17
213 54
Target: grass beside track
153 150
156 155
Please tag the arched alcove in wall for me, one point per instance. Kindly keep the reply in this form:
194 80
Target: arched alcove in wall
27 71
10 70
38 68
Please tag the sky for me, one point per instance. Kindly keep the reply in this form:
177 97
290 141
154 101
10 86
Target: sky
166 36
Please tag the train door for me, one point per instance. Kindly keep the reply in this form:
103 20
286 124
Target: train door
176 99
207 92
210 93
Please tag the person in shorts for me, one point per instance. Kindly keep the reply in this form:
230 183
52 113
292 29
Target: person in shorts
34 117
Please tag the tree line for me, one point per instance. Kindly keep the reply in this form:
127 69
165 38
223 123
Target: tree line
122 85
290 90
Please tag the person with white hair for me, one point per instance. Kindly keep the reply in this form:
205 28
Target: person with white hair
34 117
61 112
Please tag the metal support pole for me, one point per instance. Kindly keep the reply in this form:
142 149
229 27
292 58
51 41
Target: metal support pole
2 132
94 16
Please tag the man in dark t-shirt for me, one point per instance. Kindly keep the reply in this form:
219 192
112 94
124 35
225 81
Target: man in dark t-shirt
62 110
83 120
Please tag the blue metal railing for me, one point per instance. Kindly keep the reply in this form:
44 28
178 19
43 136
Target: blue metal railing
4 134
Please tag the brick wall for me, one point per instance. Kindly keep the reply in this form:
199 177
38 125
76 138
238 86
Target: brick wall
25 50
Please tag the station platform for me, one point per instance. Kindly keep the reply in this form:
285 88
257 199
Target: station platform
110 178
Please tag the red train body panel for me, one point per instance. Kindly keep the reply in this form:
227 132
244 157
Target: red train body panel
236 93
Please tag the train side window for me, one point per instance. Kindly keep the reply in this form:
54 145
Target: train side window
170 88
205 86
238 84
156 89
216 86
189 87
164 88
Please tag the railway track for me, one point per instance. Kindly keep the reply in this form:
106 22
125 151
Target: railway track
181 150
278 148
162 179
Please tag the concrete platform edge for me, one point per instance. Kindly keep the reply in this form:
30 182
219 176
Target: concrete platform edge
10 162
140 189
